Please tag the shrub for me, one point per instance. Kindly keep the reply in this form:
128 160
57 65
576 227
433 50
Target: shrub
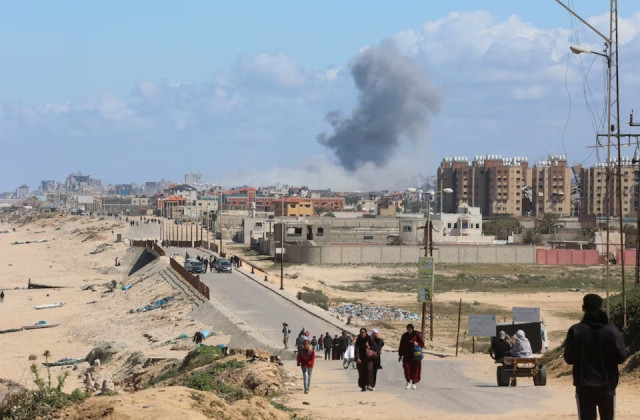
41 402
632 332
314 297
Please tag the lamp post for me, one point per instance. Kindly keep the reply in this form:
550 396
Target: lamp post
613 124
428 252
220 219
282 244
636 160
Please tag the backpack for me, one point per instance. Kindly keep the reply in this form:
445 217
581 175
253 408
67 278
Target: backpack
417 353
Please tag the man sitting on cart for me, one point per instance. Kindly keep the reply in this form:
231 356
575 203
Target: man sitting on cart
500 347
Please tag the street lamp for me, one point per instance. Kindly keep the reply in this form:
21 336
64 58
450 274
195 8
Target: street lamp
611 49
636 160
282 243
428 252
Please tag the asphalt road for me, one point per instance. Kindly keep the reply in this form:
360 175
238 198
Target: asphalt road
259 307
445 381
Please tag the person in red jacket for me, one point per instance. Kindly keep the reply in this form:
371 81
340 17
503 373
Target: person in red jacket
411 364
306 357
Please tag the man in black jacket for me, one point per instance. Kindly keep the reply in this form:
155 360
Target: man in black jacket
595 348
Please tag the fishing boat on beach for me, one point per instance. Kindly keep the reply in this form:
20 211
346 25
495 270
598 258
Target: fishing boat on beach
40 324
50 305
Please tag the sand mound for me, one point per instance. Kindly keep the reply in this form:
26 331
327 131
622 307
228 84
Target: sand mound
175 402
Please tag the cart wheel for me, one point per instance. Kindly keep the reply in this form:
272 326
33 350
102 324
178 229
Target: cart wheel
503 376
541 378
345 363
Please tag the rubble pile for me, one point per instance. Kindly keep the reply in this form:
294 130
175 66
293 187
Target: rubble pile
373 312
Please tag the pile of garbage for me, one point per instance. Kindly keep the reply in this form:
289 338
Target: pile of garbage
373 312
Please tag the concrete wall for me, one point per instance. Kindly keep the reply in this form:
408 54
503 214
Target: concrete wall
569 256
380 254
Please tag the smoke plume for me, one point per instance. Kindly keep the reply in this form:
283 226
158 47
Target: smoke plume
394 103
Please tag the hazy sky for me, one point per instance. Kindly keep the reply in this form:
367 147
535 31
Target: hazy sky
343 94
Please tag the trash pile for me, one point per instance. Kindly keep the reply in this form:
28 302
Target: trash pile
374 312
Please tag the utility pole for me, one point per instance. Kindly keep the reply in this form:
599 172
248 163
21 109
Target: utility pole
282 246
613 129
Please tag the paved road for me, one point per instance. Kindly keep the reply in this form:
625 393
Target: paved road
259 307
446 384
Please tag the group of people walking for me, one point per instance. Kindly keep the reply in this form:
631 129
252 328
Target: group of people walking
367 349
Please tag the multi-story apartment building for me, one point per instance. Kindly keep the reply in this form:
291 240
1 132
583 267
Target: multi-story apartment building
48 185
22 191
505 186
593 189
551 186
244 197
193 178
82 183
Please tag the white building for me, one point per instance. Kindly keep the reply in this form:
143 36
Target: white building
463 227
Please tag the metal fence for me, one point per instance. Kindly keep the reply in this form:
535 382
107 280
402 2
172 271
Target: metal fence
194 281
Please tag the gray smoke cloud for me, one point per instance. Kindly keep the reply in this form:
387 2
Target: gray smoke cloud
395 102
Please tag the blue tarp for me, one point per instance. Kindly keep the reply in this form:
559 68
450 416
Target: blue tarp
156 304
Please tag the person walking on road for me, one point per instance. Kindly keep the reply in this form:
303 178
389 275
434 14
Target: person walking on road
327 346
2 297
366 351
595 348
305 359
285 332
375 335
411 362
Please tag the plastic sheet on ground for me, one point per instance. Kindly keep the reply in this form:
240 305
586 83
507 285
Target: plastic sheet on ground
155 305
374 312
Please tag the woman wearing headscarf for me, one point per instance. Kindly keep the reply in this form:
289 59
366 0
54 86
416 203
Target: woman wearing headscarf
522 347
365 362
412 366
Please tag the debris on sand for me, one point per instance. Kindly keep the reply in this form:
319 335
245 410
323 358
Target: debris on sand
374 312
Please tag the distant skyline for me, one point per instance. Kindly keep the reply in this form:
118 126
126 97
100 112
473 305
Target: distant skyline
342 95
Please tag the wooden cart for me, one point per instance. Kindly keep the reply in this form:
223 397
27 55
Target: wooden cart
521 367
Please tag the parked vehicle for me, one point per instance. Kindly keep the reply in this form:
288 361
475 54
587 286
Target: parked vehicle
224 266
194 266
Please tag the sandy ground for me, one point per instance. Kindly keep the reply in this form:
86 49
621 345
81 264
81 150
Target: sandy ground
88 318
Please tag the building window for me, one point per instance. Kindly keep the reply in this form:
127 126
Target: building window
407 228
449 225
465 225
477 225
455 226
320 231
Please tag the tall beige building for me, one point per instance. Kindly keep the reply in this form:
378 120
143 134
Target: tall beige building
593 183
506 186
551 186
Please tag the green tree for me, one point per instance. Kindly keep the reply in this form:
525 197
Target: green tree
413 207
547 223
501 227
531 236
